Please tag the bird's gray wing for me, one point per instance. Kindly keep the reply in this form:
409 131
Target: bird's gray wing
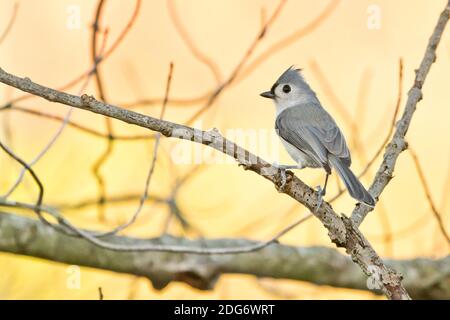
333 140
300 137
316 136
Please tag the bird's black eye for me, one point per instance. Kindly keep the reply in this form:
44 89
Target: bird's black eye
286 88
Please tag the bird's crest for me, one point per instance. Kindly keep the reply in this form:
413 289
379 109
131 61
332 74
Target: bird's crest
292 74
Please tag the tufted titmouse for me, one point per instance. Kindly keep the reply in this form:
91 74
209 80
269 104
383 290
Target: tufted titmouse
310 135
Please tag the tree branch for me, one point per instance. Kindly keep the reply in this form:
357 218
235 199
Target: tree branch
398 142
424 278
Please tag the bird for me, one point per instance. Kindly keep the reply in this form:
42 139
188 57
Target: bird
310 135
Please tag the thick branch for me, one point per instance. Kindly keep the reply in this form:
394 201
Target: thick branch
424 278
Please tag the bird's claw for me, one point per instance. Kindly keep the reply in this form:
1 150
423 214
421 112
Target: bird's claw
320 193
283 179
246 165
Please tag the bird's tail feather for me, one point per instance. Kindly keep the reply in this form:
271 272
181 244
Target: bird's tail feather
354 187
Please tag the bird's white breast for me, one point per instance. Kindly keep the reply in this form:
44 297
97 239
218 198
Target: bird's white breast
298 156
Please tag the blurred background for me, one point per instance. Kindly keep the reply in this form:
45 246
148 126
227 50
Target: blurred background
350 53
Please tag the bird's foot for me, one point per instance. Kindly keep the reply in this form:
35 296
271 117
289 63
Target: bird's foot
321 193
282 178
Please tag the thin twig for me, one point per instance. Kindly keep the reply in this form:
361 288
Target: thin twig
46 148
261 33
78 126
289 39
108 200
357 143
120 38
398 143
201 56
10 22
410 229
53 139
388 135
37 207
426 189
394 118
331 95
94 237
247 70
103 157
361 101
152 165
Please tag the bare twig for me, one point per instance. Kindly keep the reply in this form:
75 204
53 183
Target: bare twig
152 165
394 118
202 57
410 229
103 157
247 70
290 39
75 125
360 120
361 100
100 293
54 138
67 228
94 55
93 236
388 135
334 99
112 199
398 143
427 191
37 207
104 57
46 148
174 210
10 24
261 33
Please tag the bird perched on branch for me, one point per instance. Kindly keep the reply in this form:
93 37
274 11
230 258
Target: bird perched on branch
310 135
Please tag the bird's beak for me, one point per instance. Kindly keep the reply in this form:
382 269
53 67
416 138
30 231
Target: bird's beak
268 95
